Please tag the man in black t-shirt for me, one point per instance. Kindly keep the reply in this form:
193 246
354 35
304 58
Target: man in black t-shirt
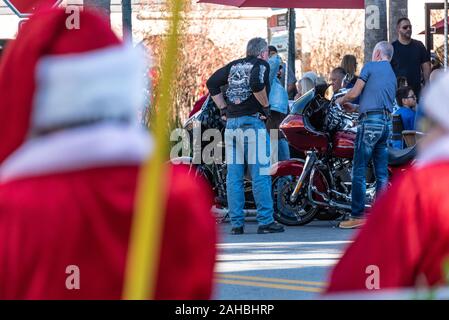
410 59
248 85
246 137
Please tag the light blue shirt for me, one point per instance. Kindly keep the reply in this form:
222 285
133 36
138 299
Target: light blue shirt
278 97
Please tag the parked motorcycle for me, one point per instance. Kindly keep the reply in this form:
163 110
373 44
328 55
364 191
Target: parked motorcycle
321 182
208 117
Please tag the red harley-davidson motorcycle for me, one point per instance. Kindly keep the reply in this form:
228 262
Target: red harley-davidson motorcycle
321 182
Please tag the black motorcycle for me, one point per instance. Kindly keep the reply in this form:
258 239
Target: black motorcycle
208 117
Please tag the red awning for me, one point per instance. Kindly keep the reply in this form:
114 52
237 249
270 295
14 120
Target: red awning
439 28
310 4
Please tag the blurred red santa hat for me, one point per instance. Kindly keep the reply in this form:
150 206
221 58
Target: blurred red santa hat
55 75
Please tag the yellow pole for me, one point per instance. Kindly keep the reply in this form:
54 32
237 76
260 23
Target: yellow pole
146 230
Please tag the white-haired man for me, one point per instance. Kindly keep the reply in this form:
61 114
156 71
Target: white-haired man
376 87
407 233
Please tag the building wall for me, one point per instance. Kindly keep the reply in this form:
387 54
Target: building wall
326 36
230 28
416 14
9 22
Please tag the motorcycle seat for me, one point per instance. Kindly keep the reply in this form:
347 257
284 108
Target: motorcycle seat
398 157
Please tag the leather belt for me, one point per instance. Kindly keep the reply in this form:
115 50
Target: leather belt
376 112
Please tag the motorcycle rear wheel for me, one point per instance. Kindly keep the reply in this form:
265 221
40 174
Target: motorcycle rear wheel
299 213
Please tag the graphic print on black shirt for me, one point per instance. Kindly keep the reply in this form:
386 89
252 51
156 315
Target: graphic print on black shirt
262 70
239 89
243 77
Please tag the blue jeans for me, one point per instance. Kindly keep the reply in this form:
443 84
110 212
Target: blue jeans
283 150
371 143
248 143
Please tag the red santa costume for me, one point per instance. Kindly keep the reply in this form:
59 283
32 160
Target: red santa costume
70 155
407 234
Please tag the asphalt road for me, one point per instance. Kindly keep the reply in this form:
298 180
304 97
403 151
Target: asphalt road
293 265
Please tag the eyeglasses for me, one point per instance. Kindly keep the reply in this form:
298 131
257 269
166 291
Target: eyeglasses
412 97
407 27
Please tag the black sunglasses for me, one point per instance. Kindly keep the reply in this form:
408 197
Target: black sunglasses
407 27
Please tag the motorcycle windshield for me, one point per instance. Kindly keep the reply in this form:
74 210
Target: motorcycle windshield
299 105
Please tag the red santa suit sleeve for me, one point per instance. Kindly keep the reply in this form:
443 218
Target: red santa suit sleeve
83 219
405 238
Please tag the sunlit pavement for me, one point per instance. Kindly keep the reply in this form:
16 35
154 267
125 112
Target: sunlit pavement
290 265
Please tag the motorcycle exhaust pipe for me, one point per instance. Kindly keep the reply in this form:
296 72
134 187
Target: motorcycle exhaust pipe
331 203
310 161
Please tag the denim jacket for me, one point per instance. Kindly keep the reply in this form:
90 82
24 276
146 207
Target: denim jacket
278 97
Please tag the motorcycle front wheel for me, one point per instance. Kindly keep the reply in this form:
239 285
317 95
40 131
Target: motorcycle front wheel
299 213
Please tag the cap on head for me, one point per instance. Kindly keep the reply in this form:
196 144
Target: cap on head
272 49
